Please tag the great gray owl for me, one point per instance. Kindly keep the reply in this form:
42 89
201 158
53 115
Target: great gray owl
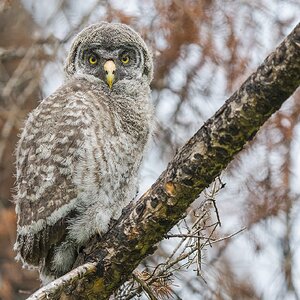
81 148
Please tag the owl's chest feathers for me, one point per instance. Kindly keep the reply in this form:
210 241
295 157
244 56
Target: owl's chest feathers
116 112
114 131
122 127
125 116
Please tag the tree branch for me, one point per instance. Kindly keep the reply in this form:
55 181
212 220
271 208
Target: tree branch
144 223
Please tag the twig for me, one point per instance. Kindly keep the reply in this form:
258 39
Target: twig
145 287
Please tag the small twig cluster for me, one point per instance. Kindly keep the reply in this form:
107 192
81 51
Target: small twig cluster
192 235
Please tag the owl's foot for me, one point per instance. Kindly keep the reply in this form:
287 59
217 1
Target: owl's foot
112 223
103 222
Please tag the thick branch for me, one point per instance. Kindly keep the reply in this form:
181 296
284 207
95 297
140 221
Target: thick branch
203 157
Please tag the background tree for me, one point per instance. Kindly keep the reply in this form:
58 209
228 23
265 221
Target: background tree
204 50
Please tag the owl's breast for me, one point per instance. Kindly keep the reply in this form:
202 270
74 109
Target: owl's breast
114 132
109 157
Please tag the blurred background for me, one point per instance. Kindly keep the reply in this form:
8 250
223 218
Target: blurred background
203 50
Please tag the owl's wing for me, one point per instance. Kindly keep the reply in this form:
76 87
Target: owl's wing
47 228
46 192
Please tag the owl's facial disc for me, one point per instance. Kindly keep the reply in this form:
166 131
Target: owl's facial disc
121 64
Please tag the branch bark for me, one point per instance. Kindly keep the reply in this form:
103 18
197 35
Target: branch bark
108 262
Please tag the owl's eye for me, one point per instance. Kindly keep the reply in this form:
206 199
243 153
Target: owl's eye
93 60
125 59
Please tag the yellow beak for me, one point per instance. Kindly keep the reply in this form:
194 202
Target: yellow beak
110 68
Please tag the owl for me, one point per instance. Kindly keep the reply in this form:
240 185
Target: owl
79 153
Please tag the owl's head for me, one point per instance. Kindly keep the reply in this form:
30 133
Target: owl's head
111 52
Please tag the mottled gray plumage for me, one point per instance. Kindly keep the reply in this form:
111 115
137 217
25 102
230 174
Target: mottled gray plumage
81 148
